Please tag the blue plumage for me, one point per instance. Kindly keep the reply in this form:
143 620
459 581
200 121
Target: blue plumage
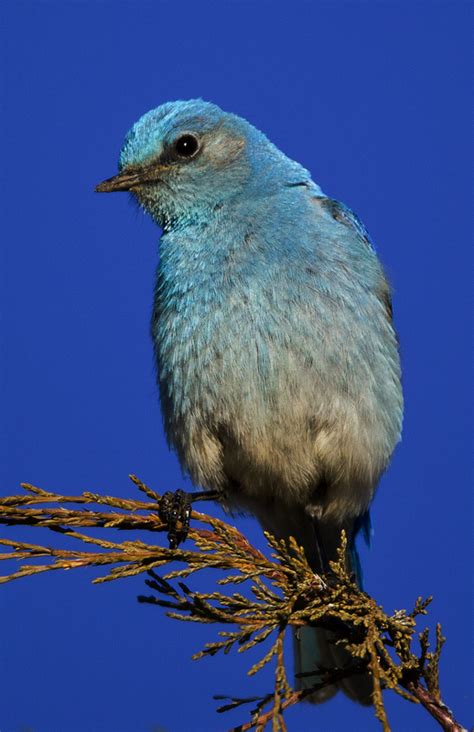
277 360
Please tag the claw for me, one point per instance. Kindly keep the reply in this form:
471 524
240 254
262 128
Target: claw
175 508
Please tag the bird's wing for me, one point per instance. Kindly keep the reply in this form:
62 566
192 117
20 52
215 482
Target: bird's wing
344 215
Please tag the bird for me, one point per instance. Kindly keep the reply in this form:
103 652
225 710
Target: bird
277 359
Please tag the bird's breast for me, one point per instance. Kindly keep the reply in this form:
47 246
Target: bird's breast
210 347
273 377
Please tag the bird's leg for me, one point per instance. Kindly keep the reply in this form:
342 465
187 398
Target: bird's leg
205 496
321 554
315 511
175 508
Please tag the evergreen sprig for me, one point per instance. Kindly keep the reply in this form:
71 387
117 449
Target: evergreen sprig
283 592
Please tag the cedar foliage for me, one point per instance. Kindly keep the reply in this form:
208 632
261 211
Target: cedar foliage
281 592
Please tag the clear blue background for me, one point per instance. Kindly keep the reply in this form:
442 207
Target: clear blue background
372 97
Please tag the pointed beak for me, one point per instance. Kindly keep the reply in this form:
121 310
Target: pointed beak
122 182
127 180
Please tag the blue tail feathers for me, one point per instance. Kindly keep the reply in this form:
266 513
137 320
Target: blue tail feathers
362 525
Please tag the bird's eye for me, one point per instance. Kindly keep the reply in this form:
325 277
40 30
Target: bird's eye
186 146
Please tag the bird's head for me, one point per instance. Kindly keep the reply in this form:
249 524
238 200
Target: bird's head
185 159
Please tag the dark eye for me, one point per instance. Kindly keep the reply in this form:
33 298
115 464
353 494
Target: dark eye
186 146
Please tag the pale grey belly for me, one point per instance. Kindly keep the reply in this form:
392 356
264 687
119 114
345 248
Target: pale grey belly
327 459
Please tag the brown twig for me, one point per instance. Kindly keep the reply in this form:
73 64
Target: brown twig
437 708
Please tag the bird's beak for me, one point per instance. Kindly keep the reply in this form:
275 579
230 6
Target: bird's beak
118 183
128 180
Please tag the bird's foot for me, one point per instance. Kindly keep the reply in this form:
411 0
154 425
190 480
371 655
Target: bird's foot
175 511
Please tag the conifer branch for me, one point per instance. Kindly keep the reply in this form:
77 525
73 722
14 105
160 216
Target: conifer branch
281 592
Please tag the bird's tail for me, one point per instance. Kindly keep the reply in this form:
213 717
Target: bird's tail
317 648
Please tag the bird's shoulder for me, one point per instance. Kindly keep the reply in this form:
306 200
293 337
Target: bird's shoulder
346 216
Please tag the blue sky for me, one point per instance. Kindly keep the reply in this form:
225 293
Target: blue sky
372 97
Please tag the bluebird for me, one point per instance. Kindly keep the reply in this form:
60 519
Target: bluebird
277 359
